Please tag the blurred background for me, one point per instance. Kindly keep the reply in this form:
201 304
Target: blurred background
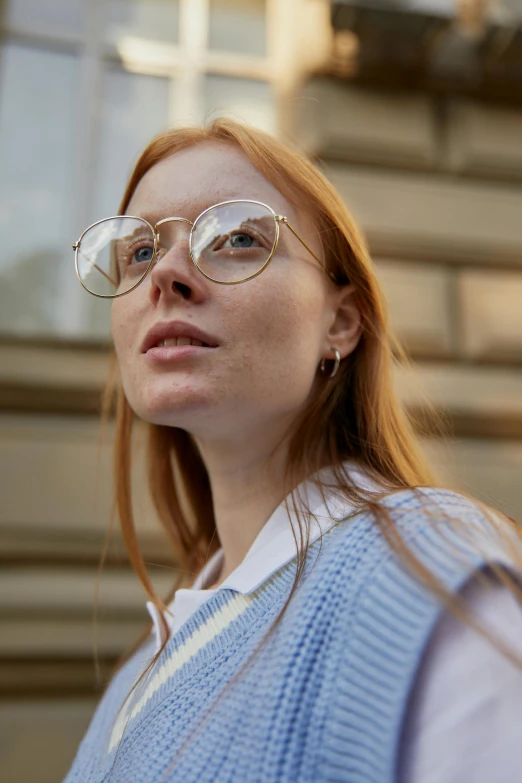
414 110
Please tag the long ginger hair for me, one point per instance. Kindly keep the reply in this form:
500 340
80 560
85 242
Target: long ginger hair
355 416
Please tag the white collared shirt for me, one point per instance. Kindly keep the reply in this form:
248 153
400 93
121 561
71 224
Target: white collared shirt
273 547
471 733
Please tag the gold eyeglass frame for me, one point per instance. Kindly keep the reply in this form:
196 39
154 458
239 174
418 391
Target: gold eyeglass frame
277 219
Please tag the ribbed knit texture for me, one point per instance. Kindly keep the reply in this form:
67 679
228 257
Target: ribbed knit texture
326 698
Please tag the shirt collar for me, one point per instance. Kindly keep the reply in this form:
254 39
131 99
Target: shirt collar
273 547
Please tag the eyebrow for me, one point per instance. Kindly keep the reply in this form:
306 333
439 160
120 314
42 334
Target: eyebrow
150 217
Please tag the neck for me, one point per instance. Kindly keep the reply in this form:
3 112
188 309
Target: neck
246 490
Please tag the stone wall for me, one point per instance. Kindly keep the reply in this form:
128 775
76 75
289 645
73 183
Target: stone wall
436 184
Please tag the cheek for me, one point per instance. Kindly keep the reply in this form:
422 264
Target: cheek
124 324
117 319
282 322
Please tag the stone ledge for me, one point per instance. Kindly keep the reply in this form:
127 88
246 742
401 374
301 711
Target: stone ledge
338 120
463 389
419 300
41 736
26 544
58 366
487 469
47 678
61 592
433 217
484 140
491 322
37 678
69 638
71 462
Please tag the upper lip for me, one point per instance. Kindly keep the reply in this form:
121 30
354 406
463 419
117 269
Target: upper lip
170 329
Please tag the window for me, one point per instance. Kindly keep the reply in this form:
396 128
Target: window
134 108
157 20
54 17
83 87
37 100
238 26
248 99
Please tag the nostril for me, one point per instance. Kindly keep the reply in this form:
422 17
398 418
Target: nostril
183 289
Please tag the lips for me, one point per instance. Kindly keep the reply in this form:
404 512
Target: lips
174 333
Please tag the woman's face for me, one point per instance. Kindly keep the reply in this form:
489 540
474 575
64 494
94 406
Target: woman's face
271 331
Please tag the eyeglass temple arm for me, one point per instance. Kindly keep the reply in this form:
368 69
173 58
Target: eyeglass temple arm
283 219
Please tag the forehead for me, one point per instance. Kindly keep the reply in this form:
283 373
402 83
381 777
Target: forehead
189 181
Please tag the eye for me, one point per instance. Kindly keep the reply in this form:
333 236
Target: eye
142 255
239 240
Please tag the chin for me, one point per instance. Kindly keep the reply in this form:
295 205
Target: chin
171 407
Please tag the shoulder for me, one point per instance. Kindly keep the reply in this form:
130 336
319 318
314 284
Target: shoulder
436 502
417 513
386 611
416 537
462 713
443 520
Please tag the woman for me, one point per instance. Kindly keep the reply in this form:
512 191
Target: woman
326 636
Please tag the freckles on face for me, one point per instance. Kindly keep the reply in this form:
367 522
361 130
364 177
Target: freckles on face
278 319
269 328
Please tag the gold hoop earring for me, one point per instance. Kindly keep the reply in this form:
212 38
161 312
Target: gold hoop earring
337 362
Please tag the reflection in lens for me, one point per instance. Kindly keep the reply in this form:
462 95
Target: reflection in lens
232 242
114 255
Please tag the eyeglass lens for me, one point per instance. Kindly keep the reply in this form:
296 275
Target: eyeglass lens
229 243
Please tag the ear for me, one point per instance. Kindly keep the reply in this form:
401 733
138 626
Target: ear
346 322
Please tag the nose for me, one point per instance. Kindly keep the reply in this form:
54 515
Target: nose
173 274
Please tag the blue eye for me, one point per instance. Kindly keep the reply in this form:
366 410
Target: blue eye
142 255
240 240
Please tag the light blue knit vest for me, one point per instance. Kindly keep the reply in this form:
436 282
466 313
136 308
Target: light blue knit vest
325 700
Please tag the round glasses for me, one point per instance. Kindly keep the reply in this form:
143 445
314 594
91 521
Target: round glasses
229 243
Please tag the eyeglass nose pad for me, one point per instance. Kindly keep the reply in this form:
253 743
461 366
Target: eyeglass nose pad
160 252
